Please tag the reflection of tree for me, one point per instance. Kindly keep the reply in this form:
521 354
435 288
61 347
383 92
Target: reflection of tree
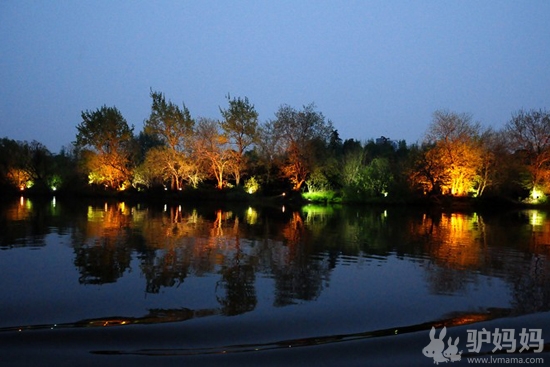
24 223
101 246
298 250
300 276
165 268
452 239
102 262
238 279
530 280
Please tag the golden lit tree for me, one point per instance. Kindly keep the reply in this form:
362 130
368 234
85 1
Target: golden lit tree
452 155
173 126
212 146
240 124
106 138
300 133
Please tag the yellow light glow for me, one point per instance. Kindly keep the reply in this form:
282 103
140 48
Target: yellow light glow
536 194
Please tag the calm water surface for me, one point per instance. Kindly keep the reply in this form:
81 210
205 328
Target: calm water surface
114 283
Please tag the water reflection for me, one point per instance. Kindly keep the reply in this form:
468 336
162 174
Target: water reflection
298 250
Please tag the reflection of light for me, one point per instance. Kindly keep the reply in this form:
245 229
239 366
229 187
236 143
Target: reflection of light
165 207
105 207
385 213
283 209
179 208
251 216
53 201
536 218
22 201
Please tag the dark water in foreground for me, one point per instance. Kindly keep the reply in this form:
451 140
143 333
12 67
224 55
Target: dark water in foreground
109 283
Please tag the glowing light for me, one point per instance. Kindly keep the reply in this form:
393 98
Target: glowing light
251 216
536 218
536 194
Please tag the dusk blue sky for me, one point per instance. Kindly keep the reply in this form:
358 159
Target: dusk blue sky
372 67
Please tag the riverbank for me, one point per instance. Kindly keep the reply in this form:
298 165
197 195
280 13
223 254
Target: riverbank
290 198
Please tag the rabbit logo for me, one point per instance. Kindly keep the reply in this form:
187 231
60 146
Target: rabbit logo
435 348
452 351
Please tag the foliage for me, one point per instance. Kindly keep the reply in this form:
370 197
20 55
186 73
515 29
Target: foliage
328 196
212 147
105 139
528 133
298 149
317 181
452 155
168 123
377 177
300 133
251 185
240 124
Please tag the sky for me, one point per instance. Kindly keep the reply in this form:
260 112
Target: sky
374 68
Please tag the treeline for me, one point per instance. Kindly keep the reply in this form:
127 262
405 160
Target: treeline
299 150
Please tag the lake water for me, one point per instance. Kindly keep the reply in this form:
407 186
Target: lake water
115 283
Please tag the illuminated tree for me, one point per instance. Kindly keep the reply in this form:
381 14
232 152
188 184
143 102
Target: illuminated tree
300 133
377 177
37 161
529 137
452 155
8 162
106 139
212 145
267 149
173 127
240 124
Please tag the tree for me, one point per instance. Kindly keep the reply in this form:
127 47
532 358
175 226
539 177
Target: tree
173 127
268 149
529 138
37 162
377 177
106 138
240 124
213 147
168 123
452 155
299 132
